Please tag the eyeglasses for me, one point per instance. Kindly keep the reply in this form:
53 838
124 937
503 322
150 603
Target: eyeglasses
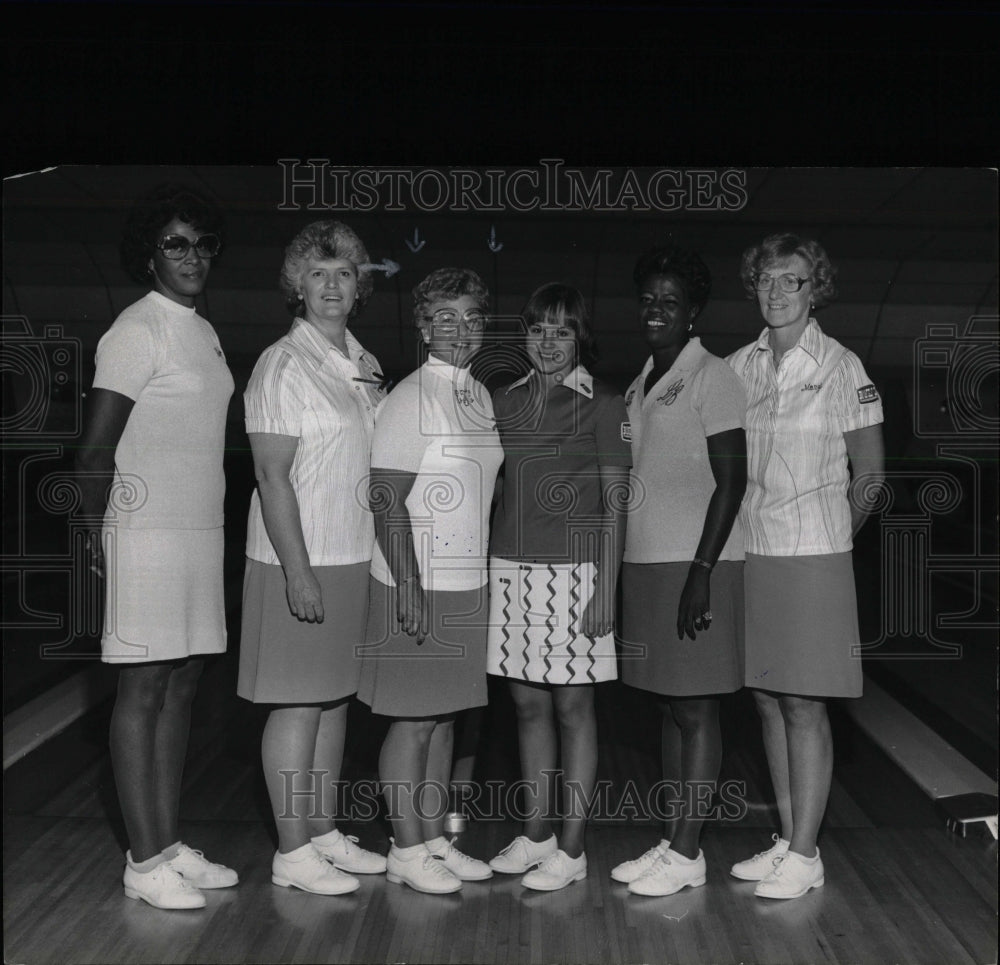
447 318
176 247
787 283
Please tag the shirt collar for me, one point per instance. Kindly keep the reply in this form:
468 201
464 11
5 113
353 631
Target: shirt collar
692 351
446 370
579 380
317 347
811 341
169 303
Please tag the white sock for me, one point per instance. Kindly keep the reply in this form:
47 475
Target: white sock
144 867
437 844
408 854
331 837
299 854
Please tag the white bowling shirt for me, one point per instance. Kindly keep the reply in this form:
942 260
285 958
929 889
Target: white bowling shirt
796 500
438 423
303 386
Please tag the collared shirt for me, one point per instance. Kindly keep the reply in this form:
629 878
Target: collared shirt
438 424
796 499
551 507
302 386
672 479
168 463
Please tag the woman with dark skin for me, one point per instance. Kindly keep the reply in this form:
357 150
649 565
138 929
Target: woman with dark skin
683 559
150 471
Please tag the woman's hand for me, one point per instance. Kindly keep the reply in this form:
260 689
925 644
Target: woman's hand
94 553
694 610
598 618
305 598
411 609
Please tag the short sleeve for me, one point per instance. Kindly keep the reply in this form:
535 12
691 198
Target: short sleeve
720 399
274 399
613 435
126 357
855 399
398 442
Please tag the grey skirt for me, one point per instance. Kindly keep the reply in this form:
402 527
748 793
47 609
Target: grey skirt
652 656
284 660
444 674
802 625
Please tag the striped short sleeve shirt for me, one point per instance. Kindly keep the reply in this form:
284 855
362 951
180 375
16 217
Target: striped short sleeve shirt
797 478
302 386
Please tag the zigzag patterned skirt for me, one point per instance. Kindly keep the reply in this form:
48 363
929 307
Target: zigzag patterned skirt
535 609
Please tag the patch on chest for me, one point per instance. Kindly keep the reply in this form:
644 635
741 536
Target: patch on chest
673 390
626 431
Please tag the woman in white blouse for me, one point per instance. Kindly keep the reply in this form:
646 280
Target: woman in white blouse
814 444
310 414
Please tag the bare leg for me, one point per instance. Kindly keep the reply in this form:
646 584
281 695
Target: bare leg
776 748
810 767
701 758
434 800
536 737
578 737
173 727
141 692
670 763
287 752
328 759
402 767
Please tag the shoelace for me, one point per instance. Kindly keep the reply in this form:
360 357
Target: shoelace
439 868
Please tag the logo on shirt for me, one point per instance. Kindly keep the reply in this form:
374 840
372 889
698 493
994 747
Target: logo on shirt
673 390
867 393
464 397
812 386
630 397
626 430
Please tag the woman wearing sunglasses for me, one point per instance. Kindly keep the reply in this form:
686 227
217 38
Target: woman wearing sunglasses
150 470
435 457
556 547
310 415
814 443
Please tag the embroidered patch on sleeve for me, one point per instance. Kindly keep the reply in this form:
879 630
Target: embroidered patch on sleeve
626 432
867 393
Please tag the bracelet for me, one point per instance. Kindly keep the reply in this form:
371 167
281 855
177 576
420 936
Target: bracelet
704 564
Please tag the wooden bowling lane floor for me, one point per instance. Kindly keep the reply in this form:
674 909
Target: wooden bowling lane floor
899 887
891 895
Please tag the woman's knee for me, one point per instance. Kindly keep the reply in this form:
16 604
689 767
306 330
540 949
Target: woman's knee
804 712
143 688
694 715
574 706
532 703
184 679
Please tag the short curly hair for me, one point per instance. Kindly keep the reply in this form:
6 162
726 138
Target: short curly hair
321 240
555 299
777 247
447 284
152 212
680 263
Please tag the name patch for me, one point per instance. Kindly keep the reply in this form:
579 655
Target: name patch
626 432
867 393
673 390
